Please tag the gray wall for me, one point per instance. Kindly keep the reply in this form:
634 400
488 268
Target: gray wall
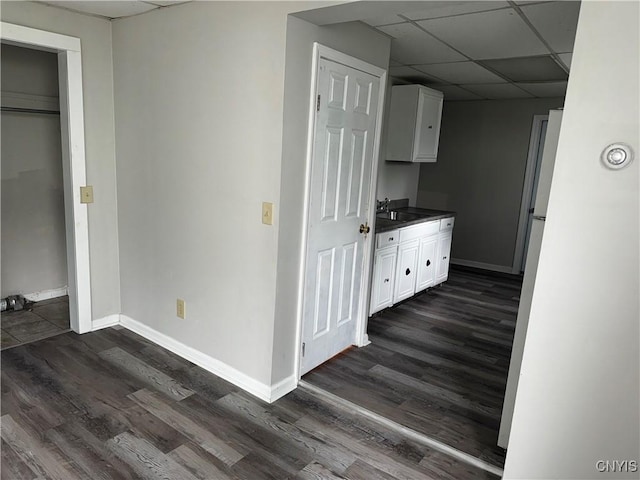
95 36
480 173
354 39
578 396
29 71
34 257
199 105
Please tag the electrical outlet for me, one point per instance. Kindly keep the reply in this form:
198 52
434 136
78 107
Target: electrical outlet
267 213
181 309
86 194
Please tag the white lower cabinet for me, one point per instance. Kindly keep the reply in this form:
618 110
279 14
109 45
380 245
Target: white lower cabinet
384 269
409 260
444 254
427 261
406 270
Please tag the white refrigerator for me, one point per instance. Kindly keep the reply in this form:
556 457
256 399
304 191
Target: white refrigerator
531 268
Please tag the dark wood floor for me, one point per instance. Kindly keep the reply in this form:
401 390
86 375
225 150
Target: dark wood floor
438 363
40 320
110 405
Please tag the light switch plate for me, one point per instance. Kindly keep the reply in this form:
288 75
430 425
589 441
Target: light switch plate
181 309
86 194
267 213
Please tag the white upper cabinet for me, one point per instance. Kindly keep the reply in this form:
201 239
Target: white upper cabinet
414 124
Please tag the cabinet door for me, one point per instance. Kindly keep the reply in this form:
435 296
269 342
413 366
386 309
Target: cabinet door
384 267
427 262
427 128
444 252
406 271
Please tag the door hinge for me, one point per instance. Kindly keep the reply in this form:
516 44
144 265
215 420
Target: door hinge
303 348
318 104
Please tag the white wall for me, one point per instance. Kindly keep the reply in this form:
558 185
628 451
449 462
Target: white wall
354 39
480 174
95 36
578 396
199 104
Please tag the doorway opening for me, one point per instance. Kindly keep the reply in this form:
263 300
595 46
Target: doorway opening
76 309
34 257
530 189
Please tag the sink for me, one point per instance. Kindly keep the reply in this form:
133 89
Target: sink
399 216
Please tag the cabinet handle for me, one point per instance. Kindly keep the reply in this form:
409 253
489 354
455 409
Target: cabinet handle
444 258
386 280
407 272
430 126
428 262
391 239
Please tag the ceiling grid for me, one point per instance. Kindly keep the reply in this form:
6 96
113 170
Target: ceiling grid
483 49
506 49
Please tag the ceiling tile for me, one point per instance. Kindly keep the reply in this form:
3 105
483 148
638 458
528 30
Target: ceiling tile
498 91
113 9
566 58
545 89
452 92
384 20
411 75
165 3
410 45
495 34
528 69
556 22
402 70
461 72
526 2
454 8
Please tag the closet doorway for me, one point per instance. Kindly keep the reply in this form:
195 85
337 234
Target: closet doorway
34 258
67 255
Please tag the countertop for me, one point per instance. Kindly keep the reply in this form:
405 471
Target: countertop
427 215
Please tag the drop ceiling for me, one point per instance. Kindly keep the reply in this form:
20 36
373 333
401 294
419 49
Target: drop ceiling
482 49
469 50
112 9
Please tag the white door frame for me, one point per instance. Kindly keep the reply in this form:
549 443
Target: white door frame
527 188
73 160
320 51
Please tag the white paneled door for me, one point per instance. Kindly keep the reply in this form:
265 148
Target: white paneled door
341 168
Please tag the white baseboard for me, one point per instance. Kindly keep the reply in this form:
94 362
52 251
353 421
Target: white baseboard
46 294
104 322
283 387
262 391
483 266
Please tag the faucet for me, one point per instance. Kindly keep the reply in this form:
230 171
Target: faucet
382 205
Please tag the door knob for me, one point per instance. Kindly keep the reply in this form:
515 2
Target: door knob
364 228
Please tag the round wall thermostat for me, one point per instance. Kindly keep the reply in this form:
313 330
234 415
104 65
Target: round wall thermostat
617 155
